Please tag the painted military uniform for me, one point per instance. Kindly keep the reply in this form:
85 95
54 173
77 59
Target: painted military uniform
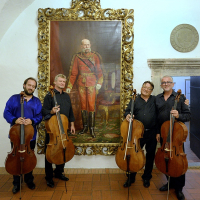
87 72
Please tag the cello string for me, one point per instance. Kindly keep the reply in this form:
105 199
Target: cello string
127 138
59 125
59 120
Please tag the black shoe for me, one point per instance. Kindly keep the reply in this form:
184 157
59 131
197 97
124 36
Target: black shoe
165 187
128 183
50 183
146 183
31 185
61 177
15 189
179 195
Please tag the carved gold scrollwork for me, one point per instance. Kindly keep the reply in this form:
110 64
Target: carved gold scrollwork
41 139
96 149
82 10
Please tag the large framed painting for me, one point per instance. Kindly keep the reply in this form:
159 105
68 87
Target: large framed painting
93 48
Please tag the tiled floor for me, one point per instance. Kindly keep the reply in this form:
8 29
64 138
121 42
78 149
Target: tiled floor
98 184
102 184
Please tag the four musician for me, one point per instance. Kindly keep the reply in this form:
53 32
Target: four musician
145 111
32 115
150 110
164 104
50 109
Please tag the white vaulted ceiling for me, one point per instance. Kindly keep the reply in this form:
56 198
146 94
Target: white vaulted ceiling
9 11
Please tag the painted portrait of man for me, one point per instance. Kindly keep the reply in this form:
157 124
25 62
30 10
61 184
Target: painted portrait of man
89 54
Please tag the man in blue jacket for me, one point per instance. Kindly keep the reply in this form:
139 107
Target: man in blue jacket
32 115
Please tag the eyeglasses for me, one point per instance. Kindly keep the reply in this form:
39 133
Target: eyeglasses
166 83
146 88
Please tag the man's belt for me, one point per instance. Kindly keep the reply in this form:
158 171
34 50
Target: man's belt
85 75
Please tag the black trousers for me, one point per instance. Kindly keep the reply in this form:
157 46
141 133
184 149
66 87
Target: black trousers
48 166
177 182
28 178
149 138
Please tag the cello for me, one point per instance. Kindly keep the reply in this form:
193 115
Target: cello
60 148
130 157
170 158
21 160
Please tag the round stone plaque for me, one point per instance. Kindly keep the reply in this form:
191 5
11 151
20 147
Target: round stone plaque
184 38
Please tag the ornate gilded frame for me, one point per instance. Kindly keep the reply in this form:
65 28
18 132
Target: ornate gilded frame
83 10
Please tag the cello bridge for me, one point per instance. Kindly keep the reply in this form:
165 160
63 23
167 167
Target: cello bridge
21 151
166 149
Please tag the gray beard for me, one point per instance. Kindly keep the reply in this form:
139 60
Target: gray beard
84 50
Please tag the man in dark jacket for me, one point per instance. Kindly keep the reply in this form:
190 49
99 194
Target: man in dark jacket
145 111
164 103
49 109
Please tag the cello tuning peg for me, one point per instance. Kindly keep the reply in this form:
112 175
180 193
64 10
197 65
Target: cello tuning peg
179 91
51 87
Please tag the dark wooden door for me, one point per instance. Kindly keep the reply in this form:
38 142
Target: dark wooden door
195 114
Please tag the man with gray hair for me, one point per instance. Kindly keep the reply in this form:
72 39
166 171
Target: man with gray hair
164 103
86 71
49 109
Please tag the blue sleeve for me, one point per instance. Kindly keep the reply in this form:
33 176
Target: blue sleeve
8 111
37 118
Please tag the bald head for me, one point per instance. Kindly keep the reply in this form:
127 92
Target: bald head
84 41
